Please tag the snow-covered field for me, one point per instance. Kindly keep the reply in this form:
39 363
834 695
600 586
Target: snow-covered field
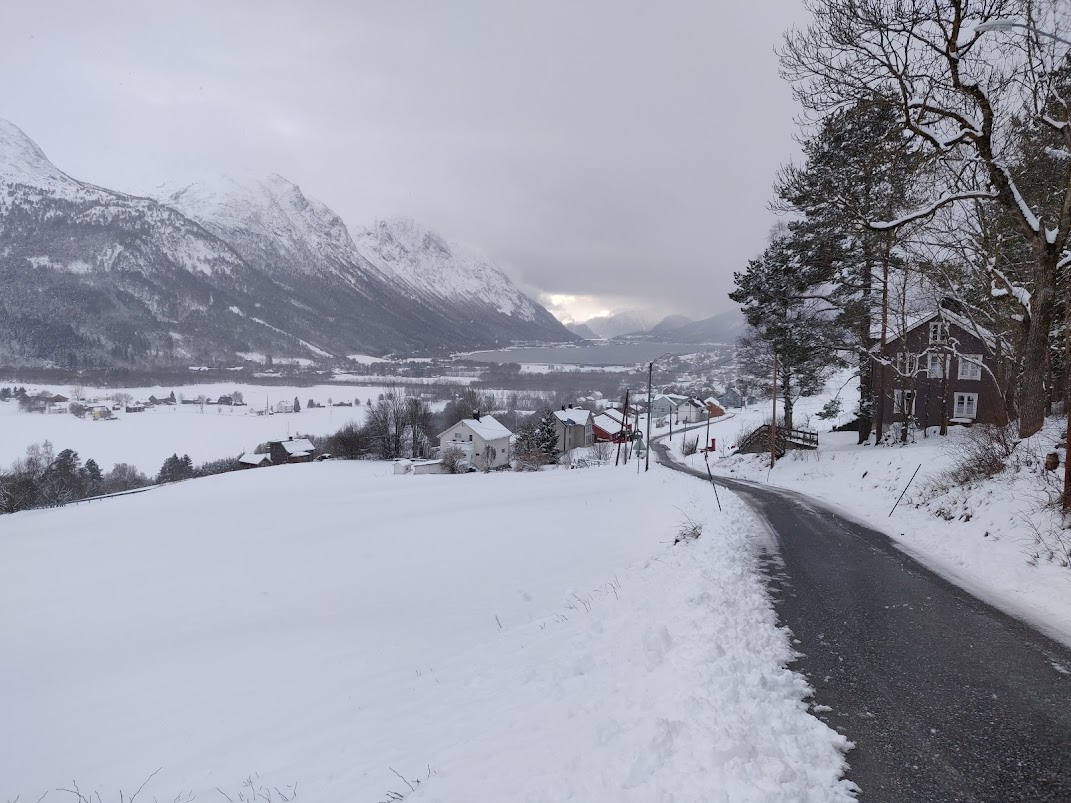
980 536
146 439
503 637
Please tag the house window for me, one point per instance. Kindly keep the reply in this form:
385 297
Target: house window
937 366
966 405
907 364
938 332
904 402
970 366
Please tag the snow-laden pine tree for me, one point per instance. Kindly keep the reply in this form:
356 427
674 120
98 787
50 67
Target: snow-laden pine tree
788 321
961 90
857 168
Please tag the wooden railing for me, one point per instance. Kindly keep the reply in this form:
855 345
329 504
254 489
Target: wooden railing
759 440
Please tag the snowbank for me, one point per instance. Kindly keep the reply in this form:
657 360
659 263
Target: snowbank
980 536
505 637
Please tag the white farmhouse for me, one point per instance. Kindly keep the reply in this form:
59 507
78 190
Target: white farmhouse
483 440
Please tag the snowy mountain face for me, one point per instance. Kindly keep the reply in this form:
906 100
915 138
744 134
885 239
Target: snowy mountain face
435 268
97 277
253 214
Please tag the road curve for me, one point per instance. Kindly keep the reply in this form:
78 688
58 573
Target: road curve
945 697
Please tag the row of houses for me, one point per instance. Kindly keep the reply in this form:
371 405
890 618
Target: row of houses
685 409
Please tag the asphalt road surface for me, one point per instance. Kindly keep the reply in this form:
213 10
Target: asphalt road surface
945 697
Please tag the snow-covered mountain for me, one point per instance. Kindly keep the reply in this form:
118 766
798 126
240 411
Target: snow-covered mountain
210 270
437 269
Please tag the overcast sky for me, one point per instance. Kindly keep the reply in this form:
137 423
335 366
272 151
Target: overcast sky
615 154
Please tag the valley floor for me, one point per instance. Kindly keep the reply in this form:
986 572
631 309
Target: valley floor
506 637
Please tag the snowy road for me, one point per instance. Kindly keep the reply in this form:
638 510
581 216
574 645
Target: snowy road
946 698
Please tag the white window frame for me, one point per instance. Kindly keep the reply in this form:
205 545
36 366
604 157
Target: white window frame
973 364
938 331
969 407
898 408
906 363
938 361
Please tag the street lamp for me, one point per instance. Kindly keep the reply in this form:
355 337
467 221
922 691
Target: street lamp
1007 25
650 374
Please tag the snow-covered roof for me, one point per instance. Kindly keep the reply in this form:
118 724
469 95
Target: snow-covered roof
297 447
573 417
712 400
251 459
608 423
612 413
488 428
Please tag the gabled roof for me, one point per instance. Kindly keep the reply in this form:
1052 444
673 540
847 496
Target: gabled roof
608 423
296 447
573 416
897 331
488 428
253 459
613 414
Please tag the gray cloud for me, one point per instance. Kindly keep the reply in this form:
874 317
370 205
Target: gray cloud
617 150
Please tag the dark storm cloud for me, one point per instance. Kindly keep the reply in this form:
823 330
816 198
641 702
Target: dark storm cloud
622 152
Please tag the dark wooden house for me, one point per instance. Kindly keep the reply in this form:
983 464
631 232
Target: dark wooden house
291 450
939 368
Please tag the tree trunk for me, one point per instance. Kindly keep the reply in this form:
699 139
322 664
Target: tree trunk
1033 398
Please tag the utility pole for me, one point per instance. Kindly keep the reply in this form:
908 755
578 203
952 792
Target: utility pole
647 457
632 438
708 425
773 421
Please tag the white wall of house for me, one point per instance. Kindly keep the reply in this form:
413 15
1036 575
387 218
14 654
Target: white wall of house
463 437
689 413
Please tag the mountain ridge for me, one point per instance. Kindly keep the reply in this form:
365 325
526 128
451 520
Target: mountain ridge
205 273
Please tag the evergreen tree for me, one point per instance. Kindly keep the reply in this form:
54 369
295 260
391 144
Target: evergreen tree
788 324
92 477
858 169
547 436
297 405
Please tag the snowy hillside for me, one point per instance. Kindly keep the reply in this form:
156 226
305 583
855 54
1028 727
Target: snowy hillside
435 268
503 633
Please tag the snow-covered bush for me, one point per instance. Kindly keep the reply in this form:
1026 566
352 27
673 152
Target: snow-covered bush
453 460
982 453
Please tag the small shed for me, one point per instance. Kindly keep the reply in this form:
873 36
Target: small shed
428 467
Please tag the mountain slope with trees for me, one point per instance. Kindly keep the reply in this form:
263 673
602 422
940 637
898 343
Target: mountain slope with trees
95 277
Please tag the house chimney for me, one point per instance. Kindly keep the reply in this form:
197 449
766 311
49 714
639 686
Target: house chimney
563 407
476 415
570 407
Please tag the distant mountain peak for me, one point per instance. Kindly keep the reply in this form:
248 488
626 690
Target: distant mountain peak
23 162
431 265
